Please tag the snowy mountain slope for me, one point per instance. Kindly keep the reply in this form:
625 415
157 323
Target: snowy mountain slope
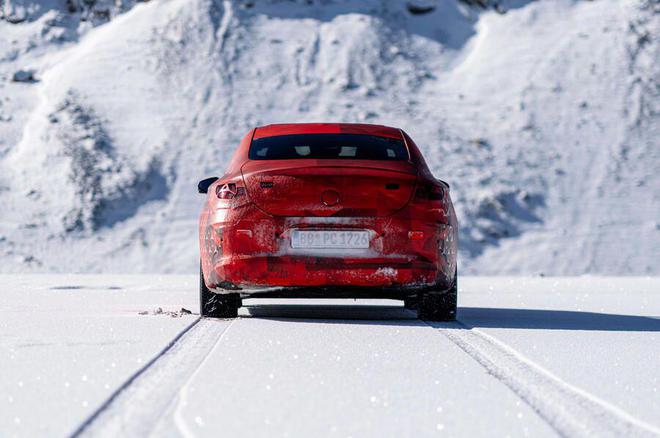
544 120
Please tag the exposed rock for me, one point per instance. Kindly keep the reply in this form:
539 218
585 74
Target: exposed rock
420 7
26 76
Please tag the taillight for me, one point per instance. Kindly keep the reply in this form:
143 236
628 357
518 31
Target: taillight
229 191
429 192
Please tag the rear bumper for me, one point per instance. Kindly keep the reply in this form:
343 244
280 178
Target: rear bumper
308 271
321 292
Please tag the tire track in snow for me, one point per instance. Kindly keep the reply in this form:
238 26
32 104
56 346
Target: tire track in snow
135 408
570 411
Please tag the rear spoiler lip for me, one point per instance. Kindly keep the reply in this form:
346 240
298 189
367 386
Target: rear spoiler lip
301 163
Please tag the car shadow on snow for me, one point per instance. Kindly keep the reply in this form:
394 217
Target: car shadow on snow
483 317
333 314
468 317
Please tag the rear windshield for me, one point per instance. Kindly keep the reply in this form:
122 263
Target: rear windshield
328 146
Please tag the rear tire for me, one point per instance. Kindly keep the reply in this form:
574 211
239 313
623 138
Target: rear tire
215 305
439 306
411 303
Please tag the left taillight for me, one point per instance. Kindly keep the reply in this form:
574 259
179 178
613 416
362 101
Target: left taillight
229 191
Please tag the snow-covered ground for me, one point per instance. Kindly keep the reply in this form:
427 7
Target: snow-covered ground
544 119
528 357
66 342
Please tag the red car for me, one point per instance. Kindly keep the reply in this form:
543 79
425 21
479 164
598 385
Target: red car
328 210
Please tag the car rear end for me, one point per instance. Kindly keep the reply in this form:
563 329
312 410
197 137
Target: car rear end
349 212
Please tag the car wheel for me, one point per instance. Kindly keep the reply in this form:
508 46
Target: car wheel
439 306
216 305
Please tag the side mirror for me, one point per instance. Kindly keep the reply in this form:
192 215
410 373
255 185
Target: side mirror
203 185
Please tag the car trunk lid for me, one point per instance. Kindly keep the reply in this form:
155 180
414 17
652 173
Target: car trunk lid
328 188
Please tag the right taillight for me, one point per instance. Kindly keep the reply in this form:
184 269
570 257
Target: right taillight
429 192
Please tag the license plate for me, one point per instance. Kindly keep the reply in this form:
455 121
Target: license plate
346 239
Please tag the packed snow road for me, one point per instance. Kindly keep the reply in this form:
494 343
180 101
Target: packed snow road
113 355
